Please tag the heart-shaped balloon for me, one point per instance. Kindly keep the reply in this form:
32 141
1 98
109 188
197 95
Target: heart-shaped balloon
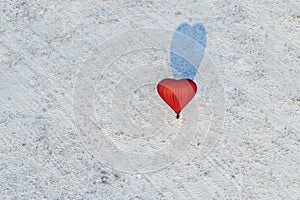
177 93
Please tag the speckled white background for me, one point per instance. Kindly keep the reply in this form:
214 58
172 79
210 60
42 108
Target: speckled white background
254 45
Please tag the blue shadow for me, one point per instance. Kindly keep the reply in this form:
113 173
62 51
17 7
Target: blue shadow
187 50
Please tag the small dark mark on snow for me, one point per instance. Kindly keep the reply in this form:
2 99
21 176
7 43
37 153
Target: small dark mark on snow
177 13
117 176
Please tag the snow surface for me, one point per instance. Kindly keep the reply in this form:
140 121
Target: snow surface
238 139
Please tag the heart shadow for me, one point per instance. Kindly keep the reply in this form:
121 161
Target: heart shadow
191 41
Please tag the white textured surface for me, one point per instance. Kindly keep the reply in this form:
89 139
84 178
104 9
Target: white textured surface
254 45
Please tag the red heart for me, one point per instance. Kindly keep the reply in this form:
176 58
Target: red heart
177 93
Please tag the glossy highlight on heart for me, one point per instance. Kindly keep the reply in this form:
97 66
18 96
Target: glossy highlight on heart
177 93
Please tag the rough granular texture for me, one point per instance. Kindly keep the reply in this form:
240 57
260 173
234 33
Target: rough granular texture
255 47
